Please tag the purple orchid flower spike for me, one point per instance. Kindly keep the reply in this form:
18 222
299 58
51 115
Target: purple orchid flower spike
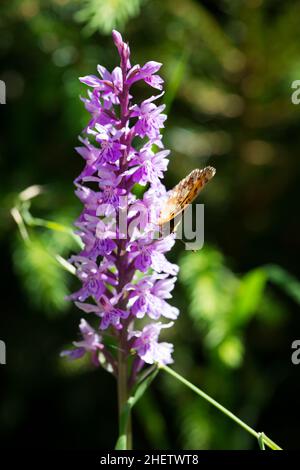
126 279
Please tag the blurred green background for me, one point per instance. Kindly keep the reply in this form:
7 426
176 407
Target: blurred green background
228 70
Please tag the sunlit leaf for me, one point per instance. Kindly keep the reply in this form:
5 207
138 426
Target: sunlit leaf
231 351
42 276
105 15
285 280
248 296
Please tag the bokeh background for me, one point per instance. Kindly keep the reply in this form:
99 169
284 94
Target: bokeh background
228 68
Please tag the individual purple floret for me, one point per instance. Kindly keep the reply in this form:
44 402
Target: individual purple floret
126 280
90 343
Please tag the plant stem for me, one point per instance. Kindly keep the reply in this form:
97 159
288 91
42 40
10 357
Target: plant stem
125 276
50 225
257 435
123 395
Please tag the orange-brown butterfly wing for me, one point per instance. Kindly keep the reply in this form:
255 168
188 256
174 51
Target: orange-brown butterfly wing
184 193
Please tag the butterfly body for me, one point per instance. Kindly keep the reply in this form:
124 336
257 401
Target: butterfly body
184 193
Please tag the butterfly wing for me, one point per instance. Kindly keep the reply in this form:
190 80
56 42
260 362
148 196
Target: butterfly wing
184 193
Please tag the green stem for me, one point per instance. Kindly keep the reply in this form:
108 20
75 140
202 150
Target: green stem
49 224
123 397
20 223
55 226
257 435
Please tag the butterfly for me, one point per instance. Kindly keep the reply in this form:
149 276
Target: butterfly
184 193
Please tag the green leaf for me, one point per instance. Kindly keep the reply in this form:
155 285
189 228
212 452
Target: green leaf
261 441
178 72
42 276
121 442
231 351
285 280
105 15
248 296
